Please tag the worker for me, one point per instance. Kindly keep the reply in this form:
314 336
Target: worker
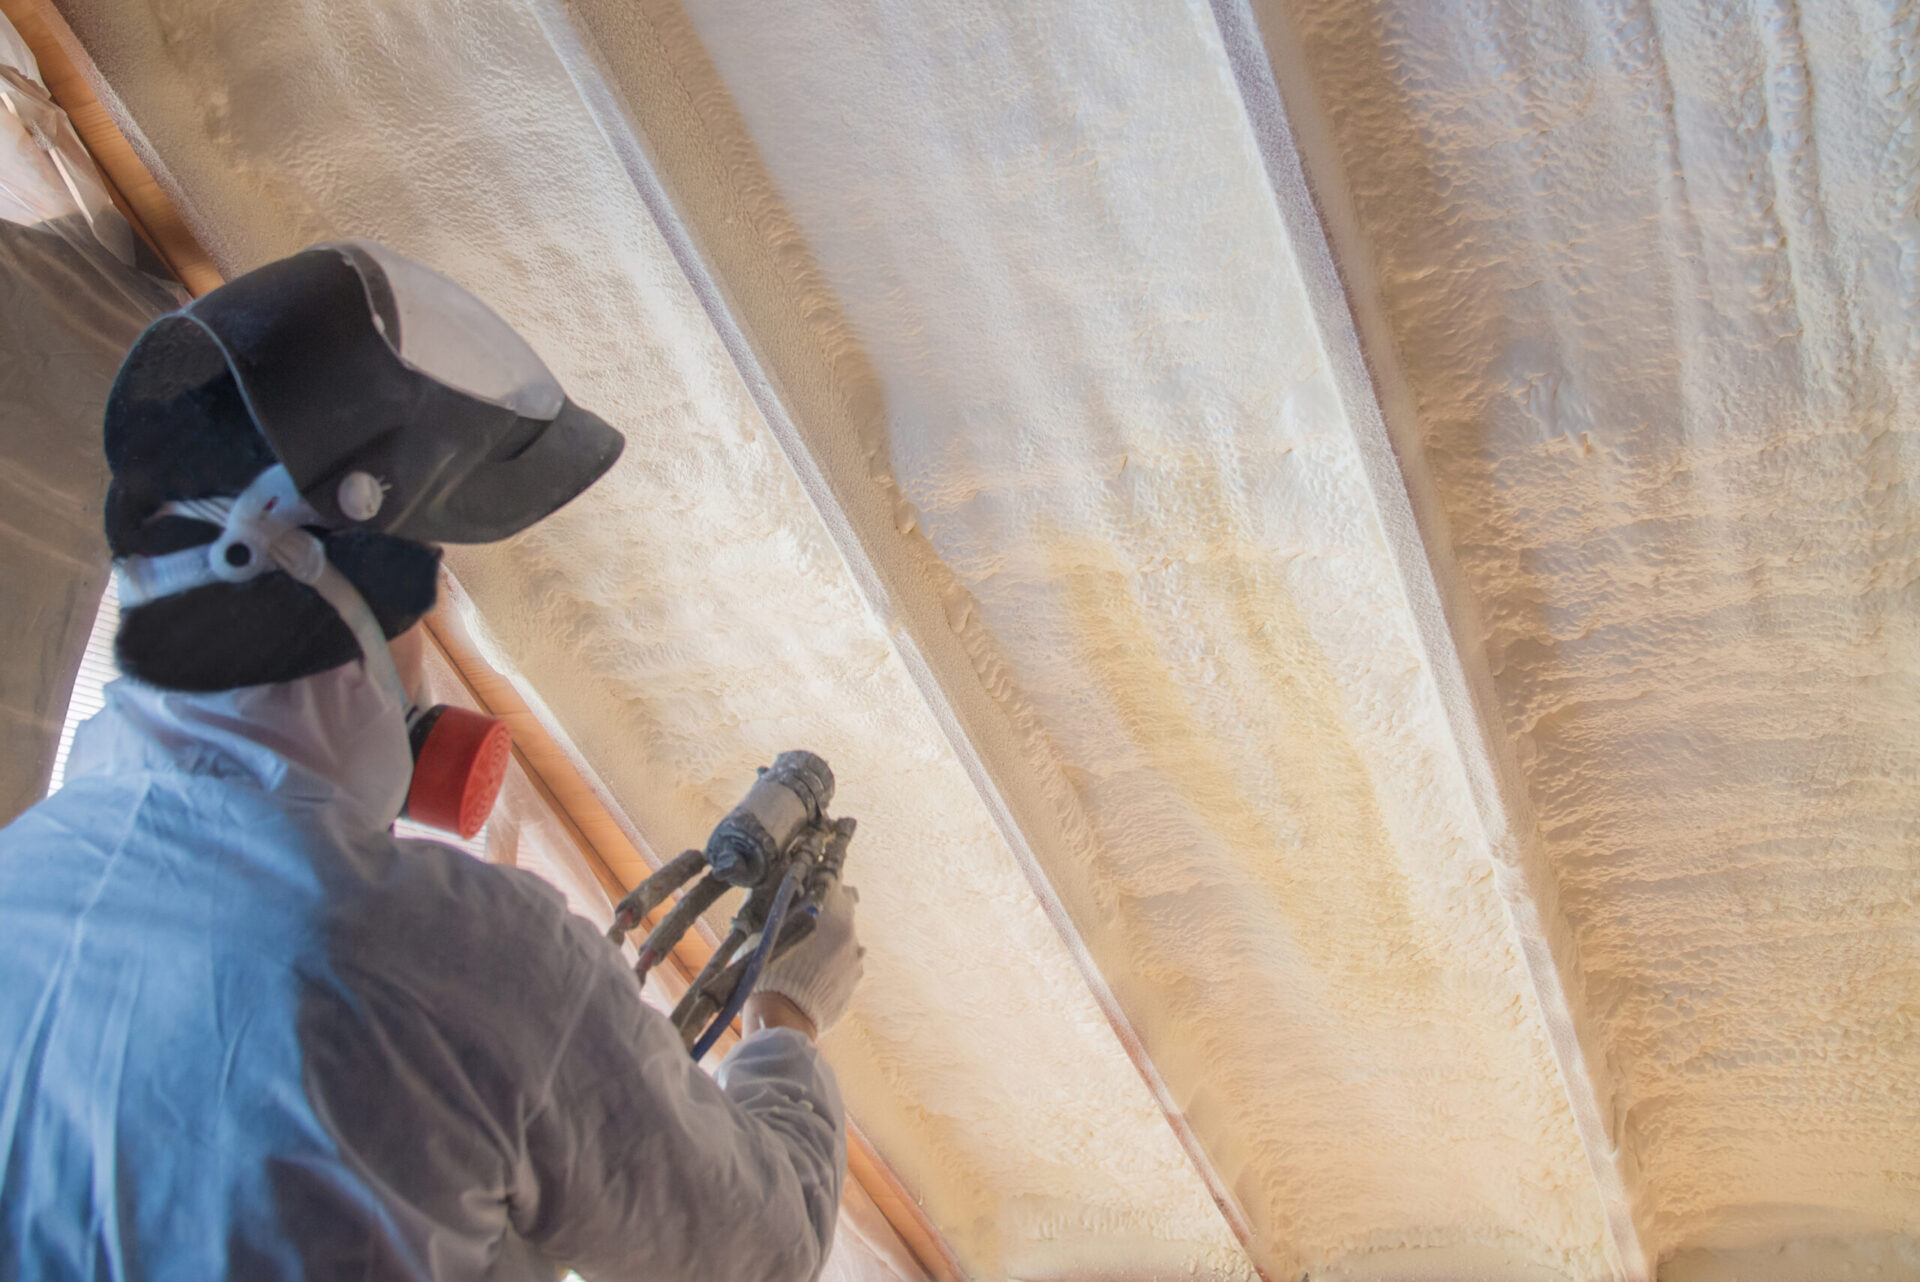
246 1032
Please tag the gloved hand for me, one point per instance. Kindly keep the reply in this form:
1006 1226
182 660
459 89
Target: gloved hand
820 973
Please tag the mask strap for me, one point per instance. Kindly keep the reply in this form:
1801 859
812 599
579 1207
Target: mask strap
260 530
338 591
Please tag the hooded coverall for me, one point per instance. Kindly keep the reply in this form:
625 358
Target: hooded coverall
248 1034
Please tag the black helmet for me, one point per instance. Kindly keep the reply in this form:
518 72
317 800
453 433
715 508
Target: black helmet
402 412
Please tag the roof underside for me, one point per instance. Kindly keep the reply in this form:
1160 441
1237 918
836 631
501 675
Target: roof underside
1423 757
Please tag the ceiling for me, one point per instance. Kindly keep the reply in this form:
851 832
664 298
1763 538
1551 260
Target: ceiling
1356 562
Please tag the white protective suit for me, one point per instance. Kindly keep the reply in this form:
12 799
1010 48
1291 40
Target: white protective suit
248 1034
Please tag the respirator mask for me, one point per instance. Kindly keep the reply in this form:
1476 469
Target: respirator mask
459 766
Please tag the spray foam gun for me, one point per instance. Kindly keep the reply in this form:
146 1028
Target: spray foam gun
780 847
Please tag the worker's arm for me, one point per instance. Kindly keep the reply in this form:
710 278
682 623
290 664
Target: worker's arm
771 1010
639 1165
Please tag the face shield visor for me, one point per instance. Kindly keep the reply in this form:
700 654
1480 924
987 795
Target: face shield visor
440 330
398 402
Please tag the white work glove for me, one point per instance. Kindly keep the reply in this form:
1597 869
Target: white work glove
820 973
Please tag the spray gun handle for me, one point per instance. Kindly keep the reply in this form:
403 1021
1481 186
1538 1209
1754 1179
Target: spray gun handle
833 859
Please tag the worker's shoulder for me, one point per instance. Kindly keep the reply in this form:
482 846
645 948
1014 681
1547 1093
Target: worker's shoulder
427 909
455 871
426 877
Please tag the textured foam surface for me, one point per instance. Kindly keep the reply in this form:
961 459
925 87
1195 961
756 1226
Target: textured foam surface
1650 278
1652 273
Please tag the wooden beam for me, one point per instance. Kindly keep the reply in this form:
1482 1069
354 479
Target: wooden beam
617 858
900 1208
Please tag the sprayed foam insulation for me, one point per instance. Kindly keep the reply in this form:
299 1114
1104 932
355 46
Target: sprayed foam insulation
1652 277
1658 352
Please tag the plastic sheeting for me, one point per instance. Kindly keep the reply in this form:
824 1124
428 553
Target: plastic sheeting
70 304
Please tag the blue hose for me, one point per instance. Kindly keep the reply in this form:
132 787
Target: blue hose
776 918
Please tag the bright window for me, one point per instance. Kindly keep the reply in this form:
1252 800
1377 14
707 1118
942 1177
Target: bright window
96 669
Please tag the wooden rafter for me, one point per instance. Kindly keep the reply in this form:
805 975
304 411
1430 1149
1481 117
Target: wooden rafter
617 860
